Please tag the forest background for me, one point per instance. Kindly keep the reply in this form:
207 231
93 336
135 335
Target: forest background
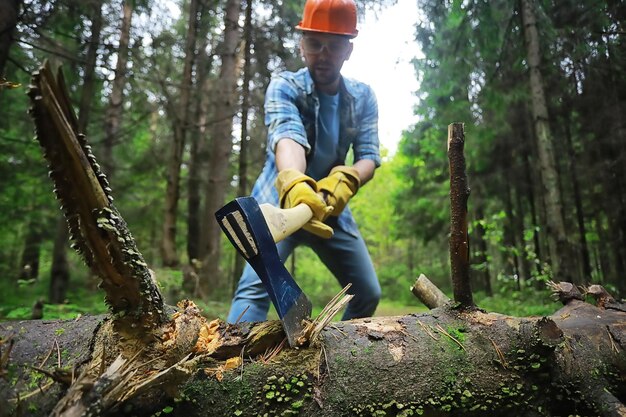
173 108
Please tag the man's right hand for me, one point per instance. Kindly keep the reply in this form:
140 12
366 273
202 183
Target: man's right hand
295 188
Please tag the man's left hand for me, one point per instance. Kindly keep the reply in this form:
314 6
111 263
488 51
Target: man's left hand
339 186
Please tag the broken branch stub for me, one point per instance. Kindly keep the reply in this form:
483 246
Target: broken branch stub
428 293
459 239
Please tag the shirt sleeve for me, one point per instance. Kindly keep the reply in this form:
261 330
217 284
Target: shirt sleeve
281 114
366 145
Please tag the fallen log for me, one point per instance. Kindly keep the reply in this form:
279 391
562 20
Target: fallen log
444 362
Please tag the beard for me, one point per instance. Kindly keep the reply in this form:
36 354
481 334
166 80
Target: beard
324 74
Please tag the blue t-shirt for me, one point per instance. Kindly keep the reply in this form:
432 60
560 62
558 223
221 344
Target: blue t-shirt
327 137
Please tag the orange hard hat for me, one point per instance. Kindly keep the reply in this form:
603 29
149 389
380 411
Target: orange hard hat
329 16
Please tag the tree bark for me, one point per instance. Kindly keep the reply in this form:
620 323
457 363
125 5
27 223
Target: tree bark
194 197
459 239
561 252
444 363
219 174
617 169
509 239
29 264
8 20
60 270
113 114
198 153
520 230
530 191
181 127
481 274
89 85
578 201
242 171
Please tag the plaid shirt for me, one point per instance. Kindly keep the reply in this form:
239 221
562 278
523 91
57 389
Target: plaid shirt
291 111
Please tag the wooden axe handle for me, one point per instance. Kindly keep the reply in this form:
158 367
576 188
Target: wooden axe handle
284 222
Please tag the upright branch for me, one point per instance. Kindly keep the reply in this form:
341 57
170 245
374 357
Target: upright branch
97 230
459 193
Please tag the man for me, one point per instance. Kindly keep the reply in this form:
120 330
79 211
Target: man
314 116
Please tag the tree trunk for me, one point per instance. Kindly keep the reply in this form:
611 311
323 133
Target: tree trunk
29 265
60 270
194 185
89 85
480 256
509 237
578 204
181 127
198 154
605 264
242 172
561 253
442 363
529 190
512 248
618 169
520 230
242 188
113 114
219 174
8 20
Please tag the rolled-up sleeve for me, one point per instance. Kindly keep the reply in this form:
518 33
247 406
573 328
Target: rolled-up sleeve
366 145
281 114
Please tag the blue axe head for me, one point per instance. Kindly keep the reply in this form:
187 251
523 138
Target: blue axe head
244 224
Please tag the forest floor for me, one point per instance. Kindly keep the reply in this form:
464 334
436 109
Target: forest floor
17 303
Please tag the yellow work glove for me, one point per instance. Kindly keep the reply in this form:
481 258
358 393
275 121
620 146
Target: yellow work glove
339 186
294 188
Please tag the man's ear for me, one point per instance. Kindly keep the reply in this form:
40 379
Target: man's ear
302 50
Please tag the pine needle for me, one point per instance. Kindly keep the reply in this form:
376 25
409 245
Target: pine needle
440 329
56 342
613 345
43 362
427 330
271 353
242 313
499 352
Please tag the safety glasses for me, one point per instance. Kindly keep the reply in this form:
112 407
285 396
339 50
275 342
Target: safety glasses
334 47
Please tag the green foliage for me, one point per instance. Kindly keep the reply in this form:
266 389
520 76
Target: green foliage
91 306
83 296
170 283
529 302
474 70
316 281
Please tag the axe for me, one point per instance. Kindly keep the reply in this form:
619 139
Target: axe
253 230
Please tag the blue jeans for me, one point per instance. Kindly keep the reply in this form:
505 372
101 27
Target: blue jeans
345 255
